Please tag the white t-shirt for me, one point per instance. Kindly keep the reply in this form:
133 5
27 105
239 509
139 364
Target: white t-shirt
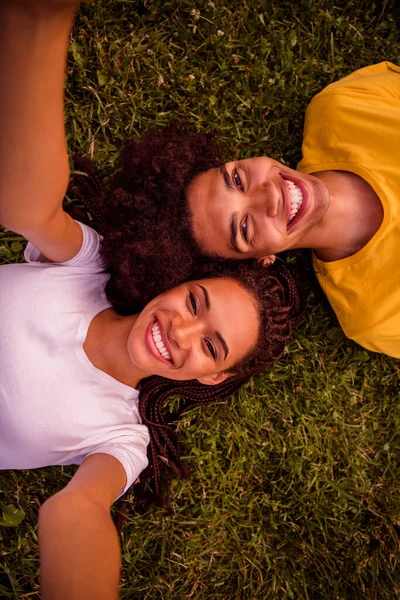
56 408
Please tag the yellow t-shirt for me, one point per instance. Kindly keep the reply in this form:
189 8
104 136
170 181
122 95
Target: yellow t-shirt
354 125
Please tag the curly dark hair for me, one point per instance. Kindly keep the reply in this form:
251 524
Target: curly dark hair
143 214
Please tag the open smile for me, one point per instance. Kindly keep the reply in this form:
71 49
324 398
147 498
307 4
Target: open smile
296 197
157 342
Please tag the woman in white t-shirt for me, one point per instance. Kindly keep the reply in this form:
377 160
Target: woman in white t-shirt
70 364
81 384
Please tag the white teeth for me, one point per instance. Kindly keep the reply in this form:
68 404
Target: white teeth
155 330
296 199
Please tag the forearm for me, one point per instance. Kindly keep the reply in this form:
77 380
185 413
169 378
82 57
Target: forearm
79 550
33 157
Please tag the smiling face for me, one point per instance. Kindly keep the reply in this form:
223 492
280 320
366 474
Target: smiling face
197 330
255 208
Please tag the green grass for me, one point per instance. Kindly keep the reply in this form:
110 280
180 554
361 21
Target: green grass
295 489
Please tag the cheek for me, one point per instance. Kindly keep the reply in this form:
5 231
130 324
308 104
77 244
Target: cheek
270 242
136 343
199 365
133 348
197 361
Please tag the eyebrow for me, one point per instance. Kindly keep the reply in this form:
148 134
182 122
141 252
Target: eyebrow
234 232
235 216
227 180
208 306
206 296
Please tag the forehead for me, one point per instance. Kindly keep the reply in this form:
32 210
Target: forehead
209 203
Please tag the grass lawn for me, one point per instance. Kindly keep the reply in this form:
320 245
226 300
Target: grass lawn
295 483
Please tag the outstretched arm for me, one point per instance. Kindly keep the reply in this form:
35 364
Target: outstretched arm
33 156
79 547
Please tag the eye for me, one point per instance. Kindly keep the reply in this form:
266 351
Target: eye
237 181
193 303
243 229
210 348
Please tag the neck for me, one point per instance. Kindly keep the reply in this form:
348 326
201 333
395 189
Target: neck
354 215
106 347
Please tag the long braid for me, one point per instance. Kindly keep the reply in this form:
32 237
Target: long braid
163 452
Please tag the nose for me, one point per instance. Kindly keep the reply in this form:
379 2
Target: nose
265 199
184 331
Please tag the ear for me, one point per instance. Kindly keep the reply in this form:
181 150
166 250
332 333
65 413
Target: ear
214 379
267 261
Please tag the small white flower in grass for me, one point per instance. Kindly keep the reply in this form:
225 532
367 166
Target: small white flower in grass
195 14
149 52
160 79
212 4
220 32
191 76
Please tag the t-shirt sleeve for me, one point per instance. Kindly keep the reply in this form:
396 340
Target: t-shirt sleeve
385 342
88 255
130 448
345 113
